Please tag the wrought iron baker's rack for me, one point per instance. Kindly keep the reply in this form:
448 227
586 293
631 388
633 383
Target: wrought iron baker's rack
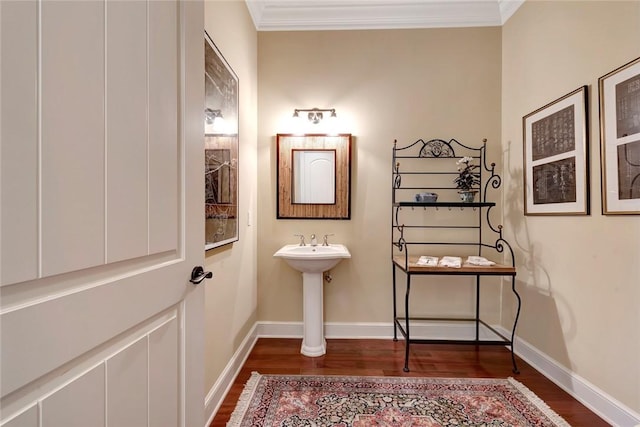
483 235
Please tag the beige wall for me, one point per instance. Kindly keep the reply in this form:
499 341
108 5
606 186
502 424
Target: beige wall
384 85
580 275
231 295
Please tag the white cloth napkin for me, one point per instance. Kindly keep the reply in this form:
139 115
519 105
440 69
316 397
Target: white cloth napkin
427 261
478 260
450 261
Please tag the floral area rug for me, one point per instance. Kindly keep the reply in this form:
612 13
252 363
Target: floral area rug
319 401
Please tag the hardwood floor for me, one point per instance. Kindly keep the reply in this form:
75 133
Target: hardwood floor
386 358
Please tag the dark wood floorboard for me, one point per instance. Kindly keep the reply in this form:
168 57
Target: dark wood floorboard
386 358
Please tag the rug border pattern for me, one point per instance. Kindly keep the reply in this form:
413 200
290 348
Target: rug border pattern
251 387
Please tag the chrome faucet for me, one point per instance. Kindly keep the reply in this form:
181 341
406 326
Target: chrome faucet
324 239
302 243
314 241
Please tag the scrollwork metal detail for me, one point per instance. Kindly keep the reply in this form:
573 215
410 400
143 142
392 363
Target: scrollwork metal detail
436 148
397 181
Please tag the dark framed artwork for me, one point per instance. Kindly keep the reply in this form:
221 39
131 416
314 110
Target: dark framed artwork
620 139
221 148
556 157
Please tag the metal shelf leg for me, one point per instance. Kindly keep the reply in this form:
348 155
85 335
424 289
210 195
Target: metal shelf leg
515 324
406 315
395 311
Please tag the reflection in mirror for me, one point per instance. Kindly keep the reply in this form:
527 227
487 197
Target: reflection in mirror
221 189
221 148
217 178
314 176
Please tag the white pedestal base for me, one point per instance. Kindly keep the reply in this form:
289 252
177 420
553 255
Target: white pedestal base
314 351
313 342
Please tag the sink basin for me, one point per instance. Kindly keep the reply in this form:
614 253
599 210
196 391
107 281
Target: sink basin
313 259
312 262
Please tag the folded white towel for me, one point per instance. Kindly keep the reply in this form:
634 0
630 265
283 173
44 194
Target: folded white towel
427 261
478 260
450 261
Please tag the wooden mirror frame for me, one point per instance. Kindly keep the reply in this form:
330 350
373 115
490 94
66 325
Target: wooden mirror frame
285 144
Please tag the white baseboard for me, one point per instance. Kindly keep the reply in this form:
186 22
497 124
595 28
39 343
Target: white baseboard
608 408
216 395
433 330
589 395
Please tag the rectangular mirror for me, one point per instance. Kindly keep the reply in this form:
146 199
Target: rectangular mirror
313 176
314 173
221 148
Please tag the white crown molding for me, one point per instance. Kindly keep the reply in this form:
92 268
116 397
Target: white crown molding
508 8
296 15
256 10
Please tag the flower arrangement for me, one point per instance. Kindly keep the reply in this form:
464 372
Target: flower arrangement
466 179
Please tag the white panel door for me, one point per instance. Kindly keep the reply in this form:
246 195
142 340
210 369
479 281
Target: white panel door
101 224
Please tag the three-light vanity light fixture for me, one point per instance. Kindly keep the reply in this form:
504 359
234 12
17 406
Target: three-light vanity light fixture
315 115
211 115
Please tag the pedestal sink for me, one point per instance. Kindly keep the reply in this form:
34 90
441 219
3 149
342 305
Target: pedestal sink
312 261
